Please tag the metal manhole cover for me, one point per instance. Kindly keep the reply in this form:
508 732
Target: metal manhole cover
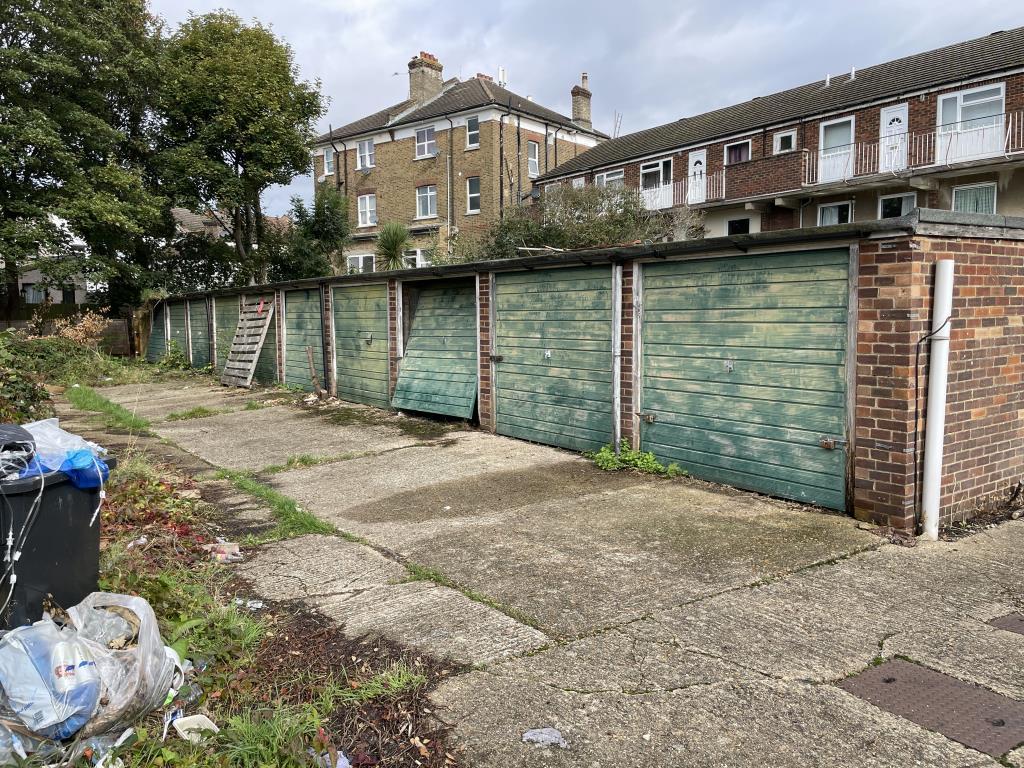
974 716
1011 622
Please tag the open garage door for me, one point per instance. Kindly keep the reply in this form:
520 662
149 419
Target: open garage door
744 371
553 356
438 372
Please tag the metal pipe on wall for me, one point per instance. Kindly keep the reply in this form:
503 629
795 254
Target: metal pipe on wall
935 420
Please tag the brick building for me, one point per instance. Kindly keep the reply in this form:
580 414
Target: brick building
447 160
942 129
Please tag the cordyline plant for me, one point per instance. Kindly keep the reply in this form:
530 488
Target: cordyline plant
392 243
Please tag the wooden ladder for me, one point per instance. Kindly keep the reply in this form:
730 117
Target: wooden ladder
253 324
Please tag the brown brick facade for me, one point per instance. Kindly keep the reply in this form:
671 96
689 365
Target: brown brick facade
984 446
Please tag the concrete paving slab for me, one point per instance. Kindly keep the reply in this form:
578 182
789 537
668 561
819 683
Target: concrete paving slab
155 401
366 593
252 440
747 723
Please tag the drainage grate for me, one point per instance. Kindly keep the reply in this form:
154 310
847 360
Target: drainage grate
1011 622
964 712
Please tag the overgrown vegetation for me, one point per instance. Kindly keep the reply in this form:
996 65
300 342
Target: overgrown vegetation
292 520
628 458
198 412
284 689
113 415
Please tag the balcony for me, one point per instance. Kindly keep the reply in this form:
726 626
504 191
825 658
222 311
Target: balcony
696 189
983 138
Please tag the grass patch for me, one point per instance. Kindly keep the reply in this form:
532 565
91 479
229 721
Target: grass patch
255 405
199 412
292 520
419 572
627 458
308 460
114 415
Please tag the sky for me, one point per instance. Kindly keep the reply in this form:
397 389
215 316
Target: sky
650 62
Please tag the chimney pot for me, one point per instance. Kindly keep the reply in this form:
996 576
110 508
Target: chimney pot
581 104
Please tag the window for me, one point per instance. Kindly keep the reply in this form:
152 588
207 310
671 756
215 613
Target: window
890 206
34 294
610 178
738 227
426 201
975 198
328 161
784 142
834 213
67 294
472 132
473 194
362 262
426 146
737 153
975 108
837 135
364 155
656 174
579 182
533 159
367 210
416 258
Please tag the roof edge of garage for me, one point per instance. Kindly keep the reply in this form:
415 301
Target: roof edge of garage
920 221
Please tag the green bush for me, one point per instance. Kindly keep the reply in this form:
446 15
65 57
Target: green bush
174 359
627 458
57 360
22 399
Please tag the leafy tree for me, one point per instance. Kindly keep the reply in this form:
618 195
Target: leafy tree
319 236
586 217
392 243
236 119
75 77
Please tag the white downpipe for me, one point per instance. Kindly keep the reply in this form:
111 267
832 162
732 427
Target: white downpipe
935 421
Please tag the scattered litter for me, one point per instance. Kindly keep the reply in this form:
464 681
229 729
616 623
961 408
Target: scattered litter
323 760
139 542
545 737
195 728
252 605
188 493
170 715
224 551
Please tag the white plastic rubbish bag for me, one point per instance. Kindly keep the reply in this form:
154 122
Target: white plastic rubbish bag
134 668
53 443
50 677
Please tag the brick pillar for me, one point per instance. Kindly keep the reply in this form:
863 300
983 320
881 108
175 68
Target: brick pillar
394 350
327 326
486 404
892 316
628 403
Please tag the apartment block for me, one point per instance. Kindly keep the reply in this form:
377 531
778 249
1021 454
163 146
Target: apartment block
942 129
448 160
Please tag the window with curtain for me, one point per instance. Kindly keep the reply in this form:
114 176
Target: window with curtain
976 198
836 213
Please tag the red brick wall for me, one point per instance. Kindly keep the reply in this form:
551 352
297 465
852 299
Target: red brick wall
327 324
486 405
984 447
628 402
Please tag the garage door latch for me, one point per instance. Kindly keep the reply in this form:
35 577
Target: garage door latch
648 418
830 443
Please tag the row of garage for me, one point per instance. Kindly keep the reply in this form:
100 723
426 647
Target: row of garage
739 364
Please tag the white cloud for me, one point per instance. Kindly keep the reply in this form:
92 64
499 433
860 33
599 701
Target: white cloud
652 62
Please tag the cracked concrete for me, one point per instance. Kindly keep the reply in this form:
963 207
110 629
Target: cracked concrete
680 624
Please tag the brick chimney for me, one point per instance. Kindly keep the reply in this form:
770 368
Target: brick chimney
424 77
581 104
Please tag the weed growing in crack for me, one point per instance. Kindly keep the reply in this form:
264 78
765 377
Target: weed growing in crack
199 412
627 458
292 520
114 415
419 572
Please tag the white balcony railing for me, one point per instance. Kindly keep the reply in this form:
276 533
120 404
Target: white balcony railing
694 190
971 140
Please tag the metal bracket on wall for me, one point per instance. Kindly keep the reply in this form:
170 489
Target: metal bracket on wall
648 418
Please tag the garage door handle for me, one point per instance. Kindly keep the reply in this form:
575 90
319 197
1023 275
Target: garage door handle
497 358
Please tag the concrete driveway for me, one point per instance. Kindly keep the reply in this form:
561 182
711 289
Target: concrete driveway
653 622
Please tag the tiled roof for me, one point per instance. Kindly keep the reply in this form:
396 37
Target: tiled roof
459 97
992 53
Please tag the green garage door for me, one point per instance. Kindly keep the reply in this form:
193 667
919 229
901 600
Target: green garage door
156 346
438 373
266 365
225 324
361 343
303 330
199 325
744 371
553 338
176 310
